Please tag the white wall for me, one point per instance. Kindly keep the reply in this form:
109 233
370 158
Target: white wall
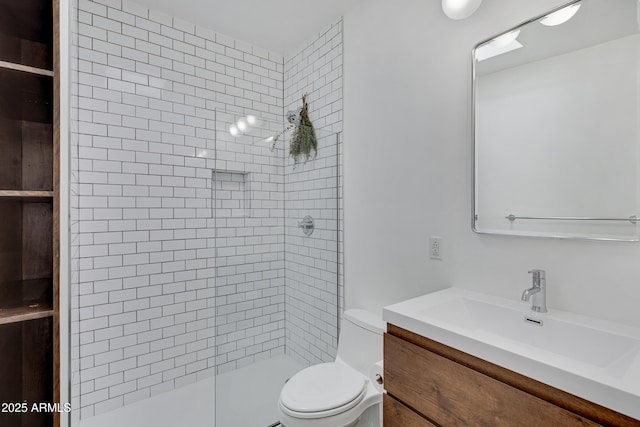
408 171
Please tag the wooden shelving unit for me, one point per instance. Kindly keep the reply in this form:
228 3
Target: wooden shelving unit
25 68
22 314
29 199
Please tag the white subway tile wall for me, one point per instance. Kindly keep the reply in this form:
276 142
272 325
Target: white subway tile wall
249 243
75 237
313 268
179 254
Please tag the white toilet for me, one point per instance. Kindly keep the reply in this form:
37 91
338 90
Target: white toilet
337 394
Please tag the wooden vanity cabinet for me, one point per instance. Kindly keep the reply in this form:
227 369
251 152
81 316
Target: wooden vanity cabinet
430 384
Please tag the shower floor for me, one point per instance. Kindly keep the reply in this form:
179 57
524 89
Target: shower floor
246 397
191 406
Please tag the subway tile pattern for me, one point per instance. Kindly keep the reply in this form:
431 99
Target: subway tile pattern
186 258
313 269
148 89
249 244
74 218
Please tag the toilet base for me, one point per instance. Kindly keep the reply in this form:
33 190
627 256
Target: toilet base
372 417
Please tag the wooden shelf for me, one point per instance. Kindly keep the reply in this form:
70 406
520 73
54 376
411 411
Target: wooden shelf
27 195
21 314
29 209
26 370
25 68
26 97
26 32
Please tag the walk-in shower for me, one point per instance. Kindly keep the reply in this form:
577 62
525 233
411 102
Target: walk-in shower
205 266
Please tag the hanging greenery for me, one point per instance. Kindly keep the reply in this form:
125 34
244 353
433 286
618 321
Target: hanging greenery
303 138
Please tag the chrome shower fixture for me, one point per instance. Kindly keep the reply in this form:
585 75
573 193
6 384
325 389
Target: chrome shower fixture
307 225
294 117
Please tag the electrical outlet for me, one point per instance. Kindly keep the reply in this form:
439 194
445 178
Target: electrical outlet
435 248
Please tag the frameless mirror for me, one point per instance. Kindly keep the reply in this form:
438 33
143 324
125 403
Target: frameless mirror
557 124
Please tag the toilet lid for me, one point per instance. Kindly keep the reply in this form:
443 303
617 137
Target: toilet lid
322 387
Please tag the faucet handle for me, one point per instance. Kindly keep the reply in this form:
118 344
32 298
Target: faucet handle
537 276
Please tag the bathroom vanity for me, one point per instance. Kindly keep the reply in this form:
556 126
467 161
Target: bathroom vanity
428 381
555 117
482 376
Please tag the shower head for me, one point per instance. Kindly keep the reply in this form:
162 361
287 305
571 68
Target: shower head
293 117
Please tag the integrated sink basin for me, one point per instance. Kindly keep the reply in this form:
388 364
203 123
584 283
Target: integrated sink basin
589 357
537 332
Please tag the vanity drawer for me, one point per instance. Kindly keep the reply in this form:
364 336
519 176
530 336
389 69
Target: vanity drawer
450 394
398 415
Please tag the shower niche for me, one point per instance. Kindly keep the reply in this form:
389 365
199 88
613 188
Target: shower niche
232 191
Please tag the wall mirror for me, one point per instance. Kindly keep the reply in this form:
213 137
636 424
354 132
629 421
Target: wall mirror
557 125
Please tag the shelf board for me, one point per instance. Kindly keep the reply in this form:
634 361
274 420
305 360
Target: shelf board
22 314
25 68
27 195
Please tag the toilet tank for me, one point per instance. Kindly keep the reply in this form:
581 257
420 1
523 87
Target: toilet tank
360 341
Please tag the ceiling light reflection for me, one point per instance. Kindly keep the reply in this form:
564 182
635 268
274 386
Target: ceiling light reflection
242 125
560 16
505 39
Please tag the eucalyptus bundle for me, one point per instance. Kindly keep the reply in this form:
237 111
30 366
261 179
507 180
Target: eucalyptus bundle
303 138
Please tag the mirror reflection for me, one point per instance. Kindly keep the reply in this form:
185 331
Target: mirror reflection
556 124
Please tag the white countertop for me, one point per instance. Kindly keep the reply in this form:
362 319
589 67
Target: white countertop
585 356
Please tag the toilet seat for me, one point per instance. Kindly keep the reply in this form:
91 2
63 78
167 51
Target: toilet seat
322 391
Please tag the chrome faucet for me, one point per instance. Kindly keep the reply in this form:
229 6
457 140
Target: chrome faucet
538 291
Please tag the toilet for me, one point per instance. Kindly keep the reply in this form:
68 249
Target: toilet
338 394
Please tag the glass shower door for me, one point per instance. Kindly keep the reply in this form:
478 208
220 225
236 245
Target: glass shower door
276 264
